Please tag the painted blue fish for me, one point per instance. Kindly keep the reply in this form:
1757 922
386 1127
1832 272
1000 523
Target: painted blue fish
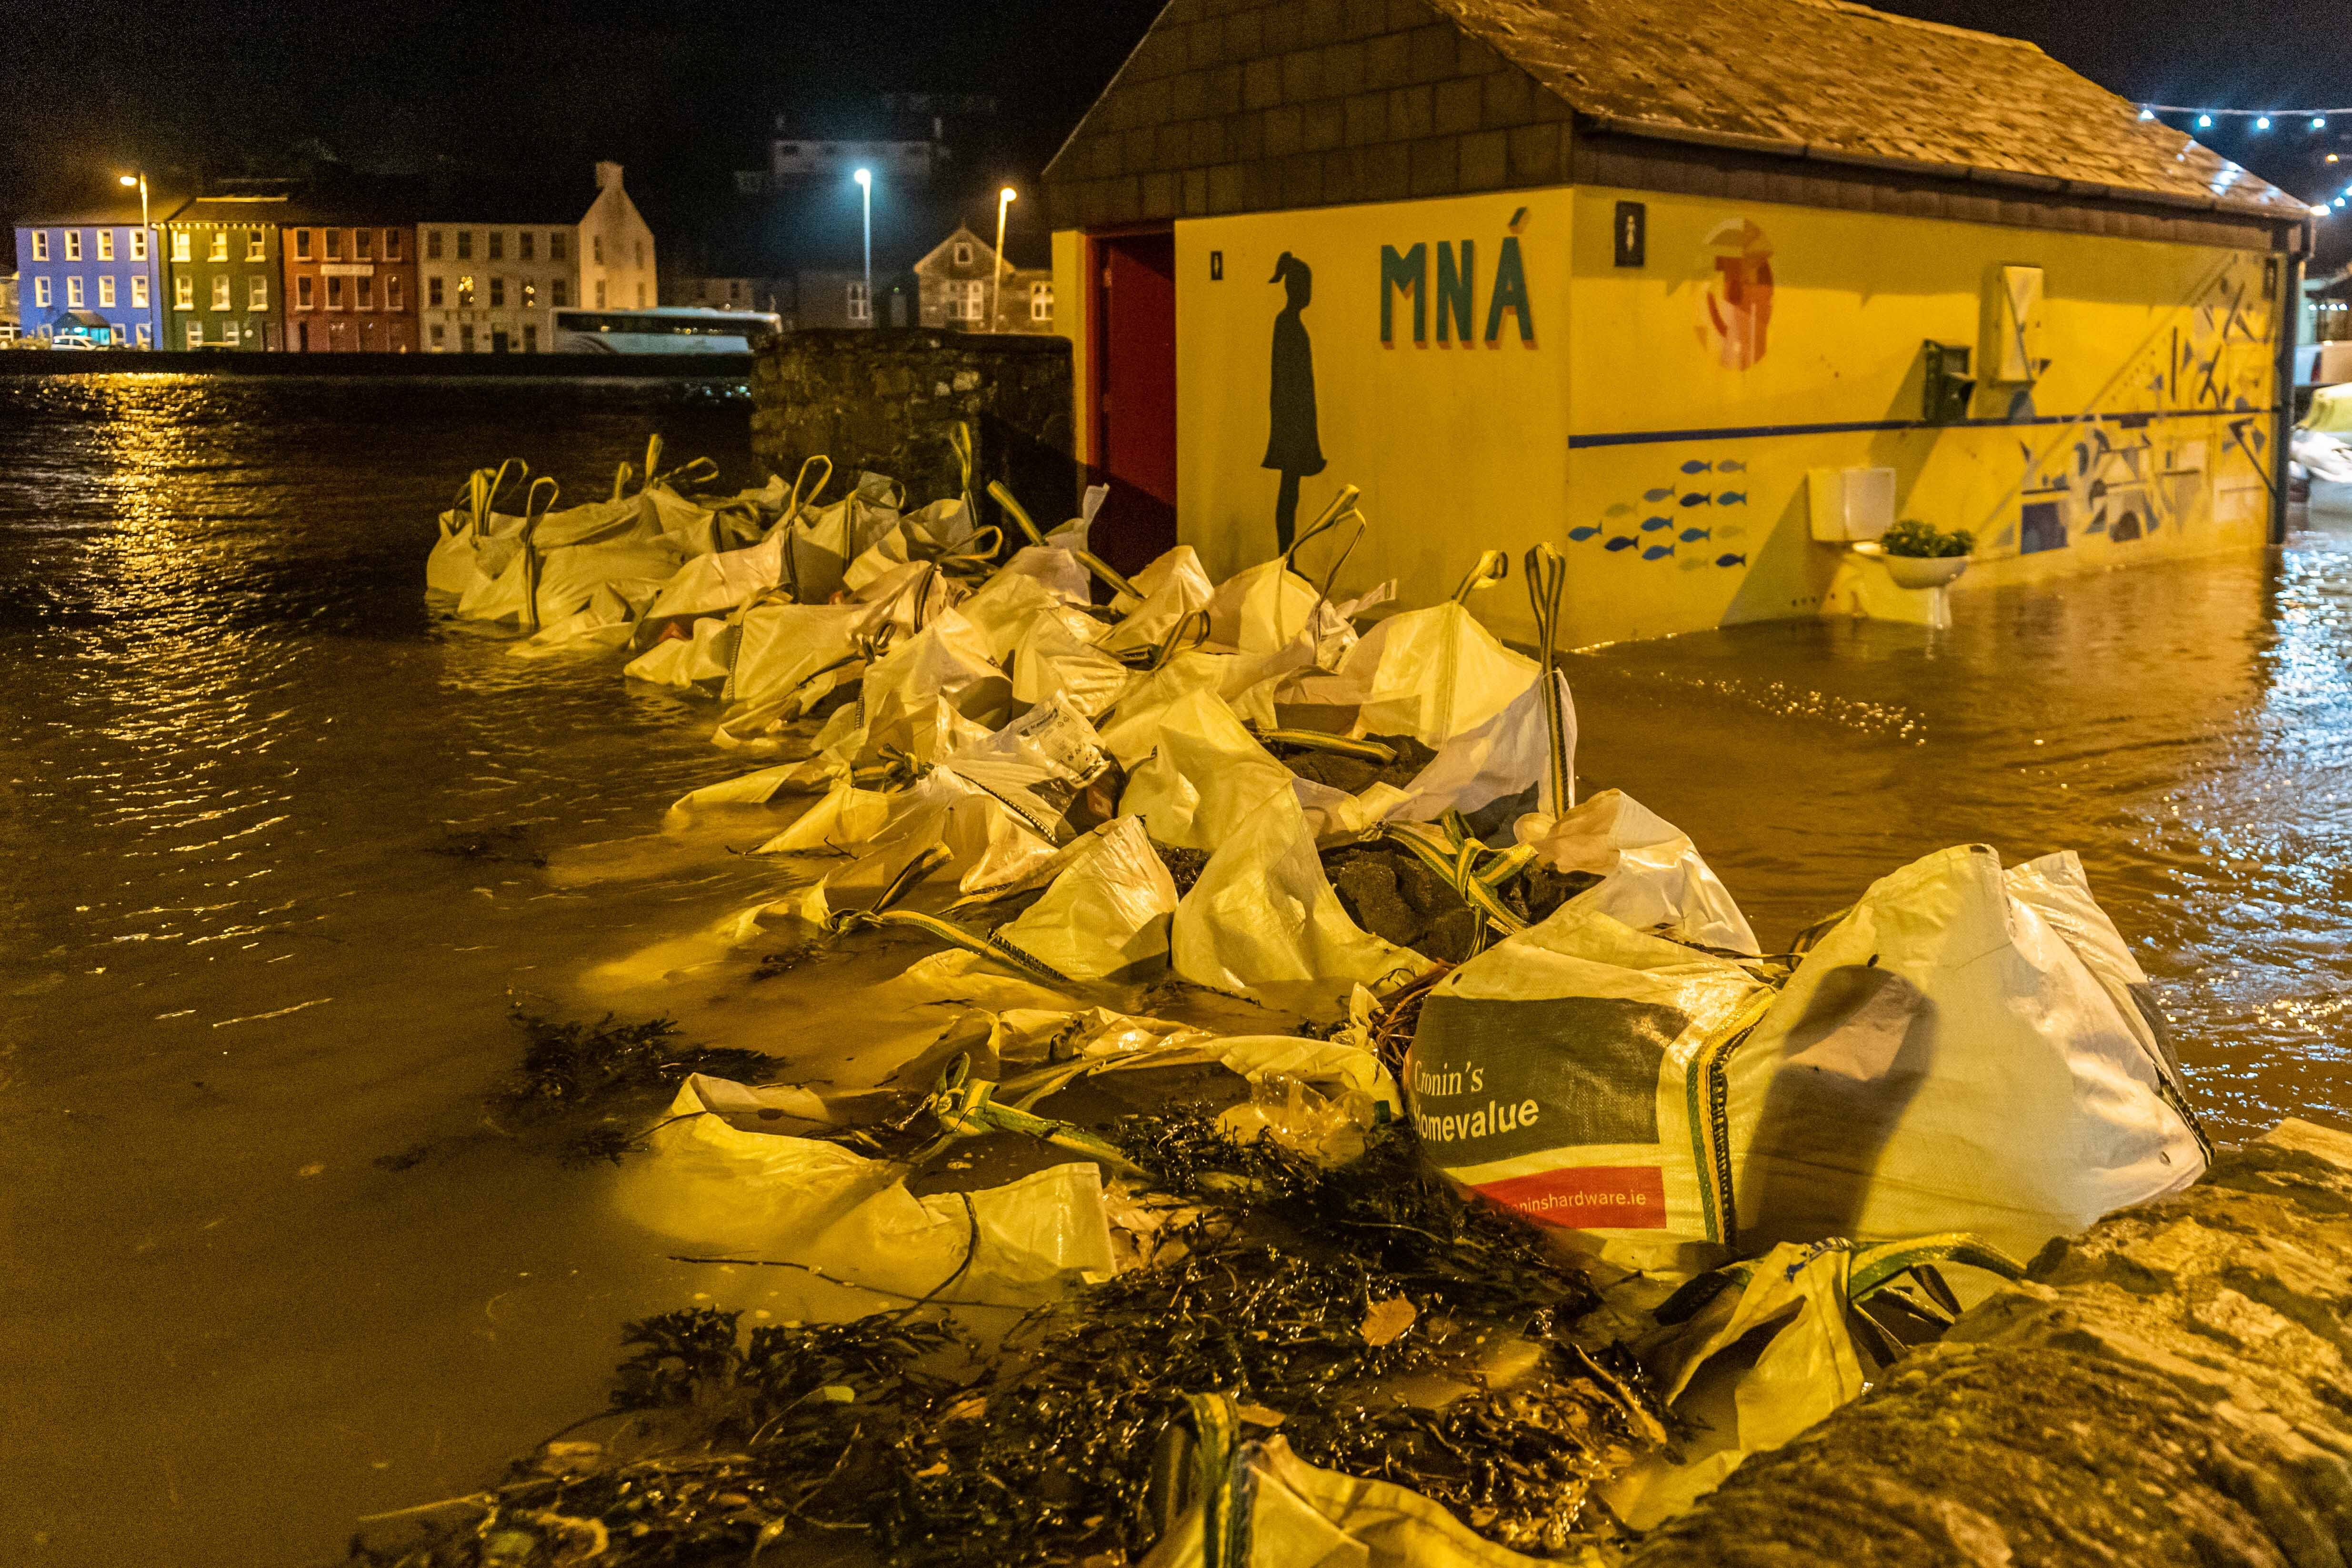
1732 499
1657 552
1692 536
1697 465
1657 495
1731 466
1580 535
1623 541
1698 498
1651 525
1731 561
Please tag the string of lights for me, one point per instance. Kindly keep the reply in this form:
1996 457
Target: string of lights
2264 118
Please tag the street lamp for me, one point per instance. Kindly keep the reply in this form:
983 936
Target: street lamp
154 288
864 178
1004 198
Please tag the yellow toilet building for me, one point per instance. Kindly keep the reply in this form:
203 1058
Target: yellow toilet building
1665 285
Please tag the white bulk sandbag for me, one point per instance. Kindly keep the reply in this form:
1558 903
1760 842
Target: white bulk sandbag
1007 604
944 666
1572 1073
1263 916
1204 777
1653 877
1105 916
989 846
1503 757
608 620
1943 1058
784 644
1430 673
701 658
714 1185
937 530
1175 588
1245 681
1264 607
820 545
1051 658
709 583
1052 566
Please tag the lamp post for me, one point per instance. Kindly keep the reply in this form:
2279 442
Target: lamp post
866 195
1004 198
154 280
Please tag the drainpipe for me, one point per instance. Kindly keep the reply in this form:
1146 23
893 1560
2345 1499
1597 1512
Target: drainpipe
2288 312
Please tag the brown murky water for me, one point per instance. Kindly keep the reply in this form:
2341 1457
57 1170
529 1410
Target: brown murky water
234 748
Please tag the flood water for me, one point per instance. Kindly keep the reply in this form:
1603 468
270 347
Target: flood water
245 963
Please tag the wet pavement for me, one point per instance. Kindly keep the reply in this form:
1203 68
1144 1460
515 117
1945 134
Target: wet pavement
283 850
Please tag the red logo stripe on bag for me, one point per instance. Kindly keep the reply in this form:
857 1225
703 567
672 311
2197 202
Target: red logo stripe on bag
1588 1198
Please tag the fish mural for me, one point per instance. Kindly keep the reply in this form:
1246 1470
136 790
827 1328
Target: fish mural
1619 510
1623 541
1732 499
1583 534
1657 552
1721 466
1699 466
1651 525
1698 498
1731 466
1692 536
1659 494
1731 561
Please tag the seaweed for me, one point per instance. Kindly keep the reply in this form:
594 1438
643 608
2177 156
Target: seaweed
508 845
1306 1294
577 1066
1185 866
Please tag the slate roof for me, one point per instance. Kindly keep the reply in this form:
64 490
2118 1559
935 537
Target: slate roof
1840 80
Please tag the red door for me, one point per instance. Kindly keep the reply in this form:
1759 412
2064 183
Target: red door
1134 279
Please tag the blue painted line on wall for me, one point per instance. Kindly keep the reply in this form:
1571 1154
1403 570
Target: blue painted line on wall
1868 426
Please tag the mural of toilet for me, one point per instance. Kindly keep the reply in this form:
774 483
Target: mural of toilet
1852 510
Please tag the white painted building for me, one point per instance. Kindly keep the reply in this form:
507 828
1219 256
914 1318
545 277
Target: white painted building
491 279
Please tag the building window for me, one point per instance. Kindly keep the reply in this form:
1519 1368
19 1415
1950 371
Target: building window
73 245
106 245
640 252
179 244
257 246
440 338
139 293
334 294
530 338
465 292
432 244
334 244
964 301
392 245
600 294
559 291
218 249
228 333
962 255
41 244
138 244
220 290
497 239
367 293
301 244
498 293
73 289
195 334
41 292
302 292
144 338
523 246
433 290
861 304
362 245
641 296
183 292
1041 302
464 244
465 339
555 249
392 292
599 242
257 294
106 289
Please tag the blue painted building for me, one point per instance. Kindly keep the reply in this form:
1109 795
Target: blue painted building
93 273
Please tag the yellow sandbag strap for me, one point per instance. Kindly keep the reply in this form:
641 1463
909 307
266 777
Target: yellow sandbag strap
1341 505
1157 658
1706 1102
966 1107
959 443
1322 740
1547 577
1448 861
1492 567
1004 498
793 505
1876 1267
976 554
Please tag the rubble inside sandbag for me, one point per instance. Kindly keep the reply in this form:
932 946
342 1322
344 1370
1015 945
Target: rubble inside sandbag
1368 1314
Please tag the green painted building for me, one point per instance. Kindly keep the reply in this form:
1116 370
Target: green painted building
223 274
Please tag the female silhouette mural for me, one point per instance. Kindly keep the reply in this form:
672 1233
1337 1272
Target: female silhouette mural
1292 446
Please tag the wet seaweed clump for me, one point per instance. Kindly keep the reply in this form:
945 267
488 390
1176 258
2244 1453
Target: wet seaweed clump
1371 1316
572 1070
508 846
1185 866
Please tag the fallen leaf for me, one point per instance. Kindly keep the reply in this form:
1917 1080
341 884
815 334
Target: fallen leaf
1259 1415
1388 1320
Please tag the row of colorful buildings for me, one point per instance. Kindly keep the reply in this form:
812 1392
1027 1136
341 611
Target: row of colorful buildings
272 267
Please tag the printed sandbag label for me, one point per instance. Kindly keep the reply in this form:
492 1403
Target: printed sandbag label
1587 1197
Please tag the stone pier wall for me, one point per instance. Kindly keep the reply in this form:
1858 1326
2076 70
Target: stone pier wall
887 401
2172 1388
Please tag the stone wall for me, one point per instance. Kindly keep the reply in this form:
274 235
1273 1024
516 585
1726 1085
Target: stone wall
2172 1388
887 400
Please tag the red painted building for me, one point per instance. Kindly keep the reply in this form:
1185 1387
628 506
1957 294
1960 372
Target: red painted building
351 282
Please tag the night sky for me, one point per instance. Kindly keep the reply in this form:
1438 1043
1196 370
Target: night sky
682 93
